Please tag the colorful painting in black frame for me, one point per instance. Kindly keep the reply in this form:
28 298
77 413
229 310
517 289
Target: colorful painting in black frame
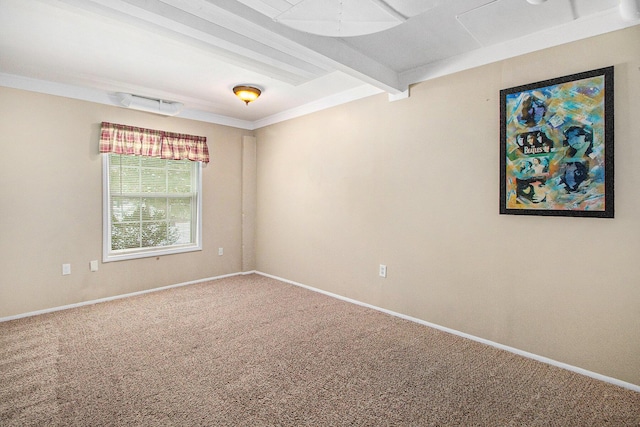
556 146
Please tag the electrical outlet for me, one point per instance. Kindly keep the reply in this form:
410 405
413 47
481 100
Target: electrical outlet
93 265
66 269
383 270
220 251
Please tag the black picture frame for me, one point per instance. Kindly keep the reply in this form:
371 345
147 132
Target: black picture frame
557 146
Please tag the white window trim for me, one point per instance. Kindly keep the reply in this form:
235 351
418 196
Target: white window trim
108 256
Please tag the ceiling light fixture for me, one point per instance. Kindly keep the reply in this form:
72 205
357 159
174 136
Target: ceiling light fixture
247 93
536 2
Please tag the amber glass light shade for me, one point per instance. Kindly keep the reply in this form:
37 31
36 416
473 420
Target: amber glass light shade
247 93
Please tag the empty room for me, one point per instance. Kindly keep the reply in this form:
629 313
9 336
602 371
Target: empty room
319 212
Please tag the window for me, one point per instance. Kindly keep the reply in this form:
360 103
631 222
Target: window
152 186
152 206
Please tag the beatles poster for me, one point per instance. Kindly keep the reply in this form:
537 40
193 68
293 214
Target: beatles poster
556 146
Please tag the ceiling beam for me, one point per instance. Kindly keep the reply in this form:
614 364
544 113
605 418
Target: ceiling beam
324 51
201 24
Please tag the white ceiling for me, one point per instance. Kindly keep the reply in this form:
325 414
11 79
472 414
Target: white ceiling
196 51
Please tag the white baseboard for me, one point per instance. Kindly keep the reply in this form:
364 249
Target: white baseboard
519 352
96 301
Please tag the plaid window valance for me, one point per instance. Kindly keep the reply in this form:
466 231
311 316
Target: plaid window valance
122 139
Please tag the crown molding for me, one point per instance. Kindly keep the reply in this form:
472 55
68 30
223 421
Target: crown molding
107 98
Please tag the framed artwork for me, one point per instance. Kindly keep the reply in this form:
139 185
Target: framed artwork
556 146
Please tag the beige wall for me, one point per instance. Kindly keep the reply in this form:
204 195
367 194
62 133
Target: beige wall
51 204
414 184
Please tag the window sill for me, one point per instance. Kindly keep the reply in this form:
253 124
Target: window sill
149 253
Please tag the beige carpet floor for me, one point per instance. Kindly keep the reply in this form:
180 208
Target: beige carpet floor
253 351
